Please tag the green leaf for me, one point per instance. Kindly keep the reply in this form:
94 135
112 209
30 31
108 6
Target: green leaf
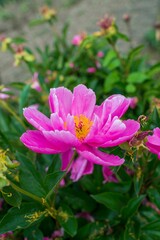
109 57
67 220
52 179
134 52
152 229
130 88
110 81
11 196
112 200
137 77
114 64
29 177
33 233
23 98
131 208
154 196
18 218
154 70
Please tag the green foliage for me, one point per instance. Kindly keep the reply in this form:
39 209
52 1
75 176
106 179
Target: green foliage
40 199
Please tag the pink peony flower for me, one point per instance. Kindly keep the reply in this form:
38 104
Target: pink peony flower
91 70
153 142
76 123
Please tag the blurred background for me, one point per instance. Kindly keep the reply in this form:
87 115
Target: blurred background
82 16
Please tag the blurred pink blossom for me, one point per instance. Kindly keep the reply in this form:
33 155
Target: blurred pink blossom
4 95
100 54
91 70
133 102
35 83
78 39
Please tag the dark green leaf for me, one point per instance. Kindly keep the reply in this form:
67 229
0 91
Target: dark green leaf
152 229
11 196
29 178
131 208
112 200
52 179
18 218
67 220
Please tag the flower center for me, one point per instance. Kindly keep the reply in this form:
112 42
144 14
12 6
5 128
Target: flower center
82 126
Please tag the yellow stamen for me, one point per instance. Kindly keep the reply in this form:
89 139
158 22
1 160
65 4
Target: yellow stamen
82 126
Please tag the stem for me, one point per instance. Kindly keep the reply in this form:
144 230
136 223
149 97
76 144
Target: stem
6 107
28 194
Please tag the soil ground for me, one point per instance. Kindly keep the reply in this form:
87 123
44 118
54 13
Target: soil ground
82 15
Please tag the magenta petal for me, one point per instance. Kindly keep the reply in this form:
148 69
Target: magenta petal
84 100
100 158
56 122
153 142
60 100
120 104
81 167
35 141
62 140
66 158
37 119
131 128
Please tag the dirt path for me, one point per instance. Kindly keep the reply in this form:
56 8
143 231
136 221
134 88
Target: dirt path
82 16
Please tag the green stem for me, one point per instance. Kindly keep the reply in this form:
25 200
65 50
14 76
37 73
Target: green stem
28 194
6 107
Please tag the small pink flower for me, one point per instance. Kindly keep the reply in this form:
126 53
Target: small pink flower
35 83
78 39
100 54
133 102
71 65
86 216
77 123
91 70
4 94
153 142
58 233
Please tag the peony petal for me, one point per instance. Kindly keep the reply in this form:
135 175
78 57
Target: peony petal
60 100
116 105
120 104
131 128
56 122
35 141
98 157
66 157
81 167
62 140
84 100
37 119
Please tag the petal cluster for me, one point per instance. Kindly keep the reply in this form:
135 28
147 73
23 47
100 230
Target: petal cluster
76 122
153 142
